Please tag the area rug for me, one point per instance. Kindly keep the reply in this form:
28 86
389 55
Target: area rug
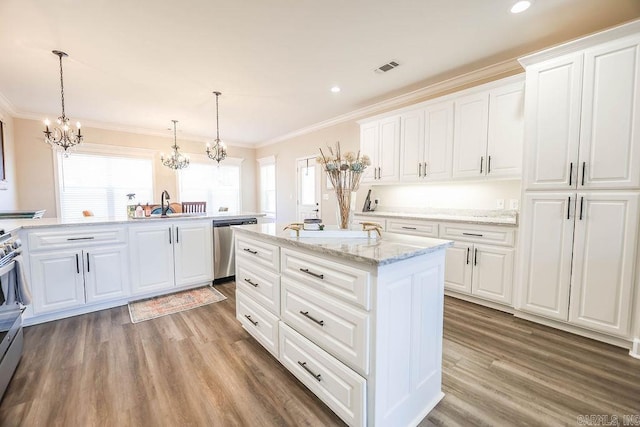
155 307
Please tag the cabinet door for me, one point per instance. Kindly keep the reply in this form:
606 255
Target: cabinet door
106 273
606 232
470 136
193 252
369 146
545 253
458 267
609 139
412 146
492 273
438 141
506 131
389 149
552 129
151 257
57 280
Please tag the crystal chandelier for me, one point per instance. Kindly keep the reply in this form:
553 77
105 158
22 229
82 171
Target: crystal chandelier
176 160
63 135
218 152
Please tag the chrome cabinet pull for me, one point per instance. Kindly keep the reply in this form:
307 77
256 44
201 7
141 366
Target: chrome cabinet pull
481 163
255 323
570 173
569 208
489 164
475 256
306 368
581 206
88 264
425 170
472 234
311 273
77 265
177 235
379 172
468 251
250 251
170 233
80 238
409 228
306 314
584 165
419 170
255 285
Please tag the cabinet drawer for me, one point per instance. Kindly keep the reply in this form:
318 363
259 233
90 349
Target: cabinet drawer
341 281
73 237
337 327
262 253
261 284
339 387
261 324
479 233
415 228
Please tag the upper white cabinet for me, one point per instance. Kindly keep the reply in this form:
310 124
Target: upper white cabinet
583 119
380 140
470 135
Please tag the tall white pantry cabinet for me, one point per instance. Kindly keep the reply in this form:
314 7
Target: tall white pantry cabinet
581 187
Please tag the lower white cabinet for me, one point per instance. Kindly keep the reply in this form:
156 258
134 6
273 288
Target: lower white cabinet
106 274
193 252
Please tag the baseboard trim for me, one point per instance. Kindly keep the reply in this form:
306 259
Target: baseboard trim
635 349
479 301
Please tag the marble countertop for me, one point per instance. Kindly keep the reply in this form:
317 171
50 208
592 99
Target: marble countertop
470 216
386 250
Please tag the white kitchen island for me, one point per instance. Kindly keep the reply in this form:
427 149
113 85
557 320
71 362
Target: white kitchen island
358 321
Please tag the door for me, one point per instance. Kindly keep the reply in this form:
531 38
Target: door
369 146
492 273
470 136
552 112
438 141
546 253
609 140
458 267
151 257
412 146
309 178
506 131
57 280
389 150
106 274
604 259
193 252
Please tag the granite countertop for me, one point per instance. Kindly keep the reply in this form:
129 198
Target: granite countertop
386 250
470 216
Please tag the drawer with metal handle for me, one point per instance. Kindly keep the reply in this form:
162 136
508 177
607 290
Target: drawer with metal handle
259 322
337 327
342 281
259 283
75 237
414 228
258 252
495 235
335 384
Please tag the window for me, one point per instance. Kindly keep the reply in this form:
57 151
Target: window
98 180
218 185
268 186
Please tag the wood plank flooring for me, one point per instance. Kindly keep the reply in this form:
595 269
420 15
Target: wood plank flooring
200 368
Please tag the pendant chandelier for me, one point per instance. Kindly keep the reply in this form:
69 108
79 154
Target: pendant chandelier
218 152
63 135
176 160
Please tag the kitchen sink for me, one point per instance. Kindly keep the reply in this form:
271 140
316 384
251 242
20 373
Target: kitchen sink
171 215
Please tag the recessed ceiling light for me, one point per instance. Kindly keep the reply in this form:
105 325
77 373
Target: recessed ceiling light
520 6
335 89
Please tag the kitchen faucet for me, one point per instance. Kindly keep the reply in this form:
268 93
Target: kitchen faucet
165 196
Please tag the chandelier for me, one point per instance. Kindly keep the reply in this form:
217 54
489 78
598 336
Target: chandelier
63 135
218 152
176 160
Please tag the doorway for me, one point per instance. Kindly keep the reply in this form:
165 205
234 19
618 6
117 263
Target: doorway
308 184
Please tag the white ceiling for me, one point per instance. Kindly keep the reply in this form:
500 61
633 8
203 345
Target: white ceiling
141 63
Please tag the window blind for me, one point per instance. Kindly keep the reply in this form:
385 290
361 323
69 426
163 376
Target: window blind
219 185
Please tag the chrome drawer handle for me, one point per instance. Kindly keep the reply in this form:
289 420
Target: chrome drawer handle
314 375
472 234
255 285
311 273
250 251
80 238
255 323
409 228
306 314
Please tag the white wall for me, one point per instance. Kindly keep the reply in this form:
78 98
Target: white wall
8 193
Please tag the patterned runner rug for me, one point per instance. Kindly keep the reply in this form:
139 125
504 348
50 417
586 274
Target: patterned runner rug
151 308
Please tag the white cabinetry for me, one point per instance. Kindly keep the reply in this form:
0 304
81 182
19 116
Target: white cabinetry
106 274
380 140
193 252
471 124
57 280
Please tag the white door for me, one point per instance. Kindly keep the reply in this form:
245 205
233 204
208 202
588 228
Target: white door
193 252
309 177
412 146
438 144
389 149
458 267
545 253
470 136
151 257
604 259
106 274
506 131
609 139
492 273
57 280
552 132
369 146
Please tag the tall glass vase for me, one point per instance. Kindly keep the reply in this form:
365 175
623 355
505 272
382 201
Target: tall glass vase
346 208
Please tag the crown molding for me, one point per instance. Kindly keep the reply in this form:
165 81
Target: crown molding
6 106
492 71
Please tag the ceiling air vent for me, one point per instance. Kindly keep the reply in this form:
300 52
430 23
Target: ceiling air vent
386 67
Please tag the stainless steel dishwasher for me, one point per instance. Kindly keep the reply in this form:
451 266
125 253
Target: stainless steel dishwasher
224 266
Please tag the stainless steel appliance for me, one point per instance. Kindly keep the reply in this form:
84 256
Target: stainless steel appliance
224 266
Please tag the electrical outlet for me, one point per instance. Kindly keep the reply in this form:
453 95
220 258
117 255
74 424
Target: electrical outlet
500 203
325 196
513 204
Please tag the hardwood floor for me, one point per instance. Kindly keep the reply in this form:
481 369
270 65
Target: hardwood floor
201 368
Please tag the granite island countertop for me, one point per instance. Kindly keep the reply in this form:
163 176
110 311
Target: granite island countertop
469 216
389 249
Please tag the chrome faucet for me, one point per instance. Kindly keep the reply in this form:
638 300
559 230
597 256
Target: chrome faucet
165 196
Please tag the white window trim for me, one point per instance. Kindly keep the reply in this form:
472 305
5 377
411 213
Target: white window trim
265 161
